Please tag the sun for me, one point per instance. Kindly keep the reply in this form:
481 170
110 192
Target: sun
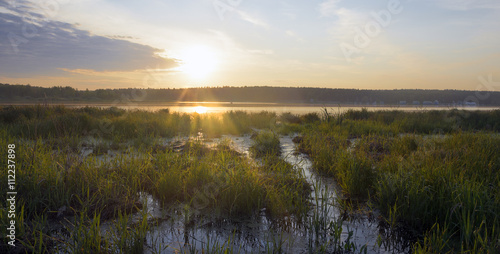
198 62
200 110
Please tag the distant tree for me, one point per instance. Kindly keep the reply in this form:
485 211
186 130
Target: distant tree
249 94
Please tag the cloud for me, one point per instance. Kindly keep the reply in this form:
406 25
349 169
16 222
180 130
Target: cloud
343 28
294 35
328 8
249 18
288 10
39 46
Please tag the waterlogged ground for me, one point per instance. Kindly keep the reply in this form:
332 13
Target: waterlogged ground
433 175
182 228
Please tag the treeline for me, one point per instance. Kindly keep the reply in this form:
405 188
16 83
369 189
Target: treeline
11 93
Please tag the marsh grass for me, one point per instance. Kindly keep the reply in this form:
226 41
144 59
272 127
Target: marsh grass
112 123
324 228
228 183
265 143
447 185
84 234
442 188
61 184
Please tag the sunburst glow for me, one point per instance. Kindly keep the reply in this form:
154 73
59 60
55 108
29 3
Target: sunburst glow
198 62
200 110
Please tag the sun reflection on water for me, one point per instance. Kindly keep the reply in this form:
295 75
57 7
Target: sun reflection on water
200 110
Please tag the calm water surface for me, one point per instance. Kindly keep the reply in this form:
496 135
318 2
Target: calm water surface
215 107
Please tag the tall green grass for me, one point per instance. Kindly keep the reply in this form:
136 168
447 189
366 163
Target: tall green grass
265 143
229 183
56 184
58 121
447 185
443 189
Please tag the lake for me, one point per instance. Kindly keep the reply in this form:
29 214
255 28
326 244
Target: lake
220 107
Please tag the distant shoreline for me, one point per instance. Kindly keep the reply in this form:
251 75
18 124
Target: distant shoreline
236 105
248 97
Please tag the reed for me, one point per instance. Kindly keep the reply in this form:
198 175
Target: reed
442 188
434 174
266 143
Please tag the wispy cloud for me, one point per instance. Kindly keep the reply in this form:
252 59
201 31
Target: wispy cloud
288 10
294 35
328 8
254 20
343 28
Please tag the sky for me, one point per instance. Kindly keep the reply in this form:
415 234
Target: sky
386 44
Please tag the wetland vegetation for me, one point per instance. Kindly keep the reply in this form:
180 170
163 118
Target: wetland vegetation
430 180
